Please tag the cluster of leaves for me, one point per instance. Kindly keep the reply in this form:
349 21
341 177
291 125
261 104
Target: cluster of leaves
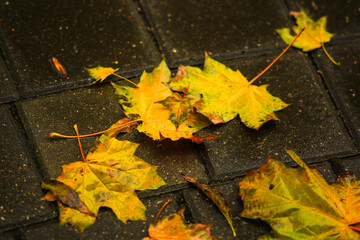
162 106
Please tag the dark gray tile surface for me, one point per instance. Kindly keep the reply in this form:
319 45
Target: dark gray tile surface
344 81
79 34
7 90
204 211
186 28
343 17
20 191
92 109
107 226
310 126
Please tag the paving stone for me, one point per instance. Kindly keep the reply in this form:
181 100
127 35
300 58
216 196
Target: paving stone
343 81
172 157
7 91
309 126
20 192
94 110
204 211
349 165
107 226
7 236
79 35
343 17
186 28
326 170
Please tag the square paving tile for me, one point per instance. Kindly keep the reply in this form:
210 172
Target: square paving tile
7 90
310 126
107 226
186 28
204 211
20 190
79 34
96 109
344 81
343 17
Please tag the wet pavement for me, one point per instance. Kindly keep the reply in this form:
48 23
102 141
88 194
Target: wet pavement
133 35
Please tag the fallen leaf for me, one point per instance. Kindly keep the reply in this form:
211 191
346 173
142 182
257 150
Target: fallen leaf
66 195
180 107
227 93
58 67
299 203
314 33
142 103
199 139
108 178
173 227
217 198
113 133
99 73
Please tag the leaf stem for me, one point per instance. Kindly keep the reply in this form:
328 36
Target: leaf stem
328 55
78 138
161 209
125 79
94 134
355 228
273 62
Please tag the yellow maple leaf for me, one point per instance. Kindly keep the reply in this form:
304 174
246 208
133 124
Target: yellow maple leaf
108 178
313 37
174 228
227 93
142 103
99 73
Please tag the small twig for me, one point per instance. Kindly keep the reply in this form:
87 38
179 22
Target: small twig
161 209
125 79
78 138
94 134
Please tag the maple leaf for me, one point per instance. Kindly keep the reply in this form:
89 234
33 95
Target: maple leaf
313 37
180 107
99 73
299 203
66 195
108 177
142 103
174 228
217 198
227 93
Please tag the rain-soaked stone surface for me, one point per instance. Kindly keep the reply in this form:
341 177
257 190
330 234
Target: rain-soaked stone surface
79 35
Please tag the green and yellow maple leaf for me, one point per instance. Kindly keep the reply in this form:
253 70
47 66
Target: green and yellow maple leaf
108 178
180 107
300 204
227 93
173 227
100 73
142 103
314 33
